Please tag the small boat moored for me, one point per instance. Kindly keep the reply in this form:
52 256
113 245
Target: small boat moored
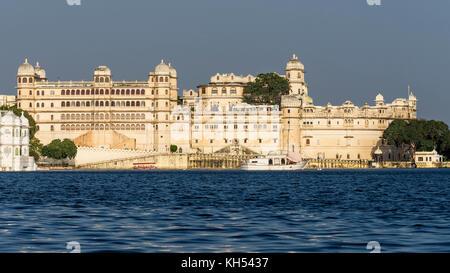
274 162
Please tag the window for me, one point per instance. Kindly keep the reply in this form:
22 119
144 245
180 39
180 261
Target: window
214 91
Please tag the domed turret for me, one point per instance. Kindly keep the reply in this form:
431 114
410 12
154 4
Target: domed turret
40 71
162 68
26 69
379 99
294 64
102 71
172 71
102 74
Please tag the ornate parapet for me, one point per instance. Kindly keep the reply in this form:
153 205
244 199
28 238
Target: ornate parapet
289 101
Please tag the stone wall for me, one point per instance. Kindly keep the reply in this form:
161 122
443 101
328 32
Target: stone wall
87 155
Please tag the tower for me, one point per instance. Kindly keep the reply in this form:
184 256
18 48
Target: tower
295 73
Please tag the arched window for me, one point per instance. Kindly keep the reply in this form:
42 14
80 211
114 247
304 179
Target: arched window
78 92
138 92
88 92
112 91
113 103
132 103
78 104
18 80
101 104
37 104
63 92
167 79
128 103
37 93
161 79
128 91
122 92
106 92
63 104
132 91
106 103
137 104
51 105
72 92
102 79
82 92
101 91
107 79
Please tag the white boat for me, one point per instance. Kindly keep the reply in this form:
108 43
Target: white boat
273 162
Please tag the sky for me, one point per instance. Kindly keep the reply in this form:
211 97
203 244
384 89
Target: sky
351 50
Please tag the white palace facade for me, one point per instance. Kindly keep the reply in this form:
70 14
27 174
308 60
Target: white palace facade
144 115
14 143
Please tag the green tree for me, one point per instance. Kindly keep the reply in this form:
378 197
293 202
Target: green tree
173 148
421 135
266 89
35 148
58 149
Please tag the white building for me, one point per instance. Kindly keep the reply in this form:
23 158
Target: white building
428 159
14 143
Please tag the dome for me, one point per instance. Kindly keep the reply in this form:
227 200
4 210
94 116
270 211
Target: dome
294 64
172 71
40 71
379 97
162 68
102 71
378 151
26 69
24 120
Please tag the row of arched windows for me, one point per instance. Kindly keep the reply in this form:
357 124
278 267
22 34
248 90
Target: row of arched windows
25 80
160 79
103 103
84 127
102 116
101 79
103 92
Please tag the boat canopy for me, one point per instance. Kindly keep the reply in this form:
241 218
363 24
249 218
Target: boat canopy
294 157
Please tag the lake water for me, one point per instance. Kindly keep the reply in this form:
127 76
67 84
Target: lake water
226 211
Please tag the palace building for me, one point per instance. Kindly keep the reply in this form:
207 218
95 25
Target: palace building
15 143
102 112
145 115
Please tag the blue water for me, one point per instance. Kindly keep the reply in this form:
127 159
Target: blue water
226 211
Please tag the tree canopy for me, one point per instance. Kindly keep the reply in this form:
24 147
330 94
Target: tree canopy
422 135
58 149
266 89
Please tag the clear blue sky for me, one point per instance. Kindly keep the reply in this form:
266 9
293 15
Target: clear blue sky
351 50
